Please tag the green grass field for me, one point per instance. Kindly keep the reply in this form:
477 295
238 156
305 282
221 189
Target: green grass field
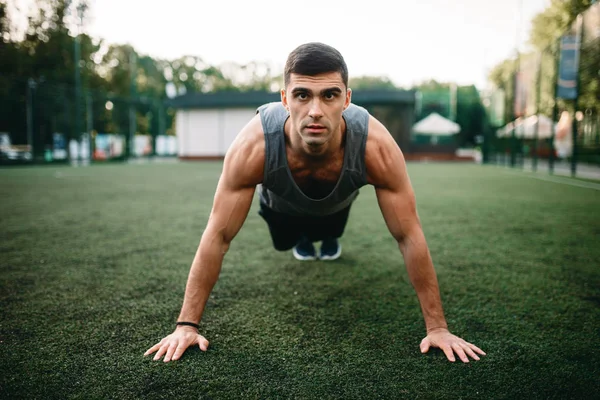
95 259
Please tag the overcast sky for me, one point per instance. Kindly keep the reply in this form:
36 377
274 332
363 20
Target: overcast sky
406 40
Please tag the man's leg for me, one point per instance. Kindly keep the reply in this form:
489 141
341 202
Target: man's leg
328 229
288 232
284 229
299 233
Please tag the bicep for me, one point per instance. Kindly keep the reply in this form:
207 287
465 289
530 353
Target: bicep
242 170
230 208
386 170
398 208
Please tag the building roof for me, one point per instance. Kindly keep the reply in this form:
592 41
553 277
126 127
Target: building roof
230 99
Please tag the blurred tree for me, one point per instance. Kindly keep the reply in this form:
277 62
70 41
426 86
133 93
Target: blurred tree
546 29
43 64
192 74
371 82
470 114
12 100
118 66
502 76
435 97
248 77
550 24
432 84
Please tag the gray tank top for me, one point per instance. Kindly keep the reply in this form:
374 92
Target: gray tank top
280 192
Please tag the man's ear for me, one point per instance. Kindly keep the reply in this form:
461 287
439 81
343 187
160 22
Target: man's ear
348 98
284 99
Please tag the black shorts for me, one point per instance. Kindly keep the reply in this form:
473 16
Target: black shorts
287 229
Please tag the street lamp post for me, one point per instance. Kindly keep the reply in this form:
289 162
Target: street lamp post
76 60
132 104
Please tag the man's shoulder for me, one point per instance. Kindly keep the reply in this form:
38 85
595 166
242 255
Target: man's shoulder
383 155
272 117
355 106
355 109
245 157
274 106
378 133
252 133
357 116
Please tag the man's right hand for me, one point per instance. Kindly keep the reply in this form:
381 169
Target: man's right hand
173 346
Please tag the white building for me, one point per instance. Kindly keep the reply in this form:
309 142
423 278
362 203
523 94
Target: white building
206 124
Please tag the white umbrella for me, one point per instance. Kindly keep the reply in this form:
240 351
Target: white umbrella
436 125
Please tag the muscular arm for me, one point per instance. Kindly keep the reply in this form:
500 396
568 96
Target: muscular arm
386 171
232 202
242 171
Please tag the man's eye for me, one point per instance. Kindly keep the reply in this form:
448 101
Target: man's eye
330 96
302 96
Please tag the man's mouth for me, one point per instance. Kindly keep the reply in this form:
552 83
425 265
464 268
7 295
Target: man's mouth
315 127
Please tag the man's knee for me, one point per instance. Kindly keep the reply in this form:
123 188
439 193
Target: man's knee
284 245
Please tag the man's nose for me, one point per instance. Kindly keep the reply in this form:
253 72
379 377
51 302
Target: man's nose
315 109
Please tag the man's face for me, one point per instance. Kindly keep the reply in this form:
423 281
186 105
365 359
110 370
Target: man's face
316 104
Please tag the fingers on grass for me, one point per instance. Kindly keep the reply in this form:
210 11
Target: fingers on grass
470 352
161 352
152 349
447 349
203 343
425 345
179 351
460 352
476 349
170 351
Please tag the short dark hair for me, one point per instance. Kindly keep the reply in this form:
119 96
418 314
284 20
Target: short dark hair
313 59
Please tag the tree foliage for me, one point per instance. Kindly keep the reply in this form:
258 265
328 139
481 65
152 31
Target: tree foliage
546 29
550 24
41 67
371 82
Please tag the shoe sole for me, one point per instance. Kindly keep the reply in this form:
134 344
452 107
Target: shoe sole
300 257
333 256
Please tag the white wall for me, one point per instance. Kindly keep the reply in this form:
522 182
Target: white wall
210 132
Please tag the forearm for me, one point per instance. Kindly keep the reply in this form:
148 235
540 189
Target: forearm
424 280
203 276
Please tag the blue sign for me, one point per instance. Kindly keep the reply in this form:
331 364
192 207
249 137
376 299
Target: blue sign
568 67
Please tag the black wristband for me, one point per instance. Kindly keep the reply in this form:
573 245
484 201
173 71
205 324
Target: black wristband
188 324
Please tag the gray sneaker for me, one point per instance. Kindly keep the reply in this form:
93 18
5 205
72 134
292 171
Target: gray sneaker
331 249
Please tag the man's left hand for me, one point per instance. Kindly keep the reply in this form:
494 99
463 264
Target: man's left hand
450 344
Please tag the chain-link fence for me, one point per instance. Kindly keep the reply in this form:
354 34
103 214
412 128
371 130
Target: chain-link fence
43 121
